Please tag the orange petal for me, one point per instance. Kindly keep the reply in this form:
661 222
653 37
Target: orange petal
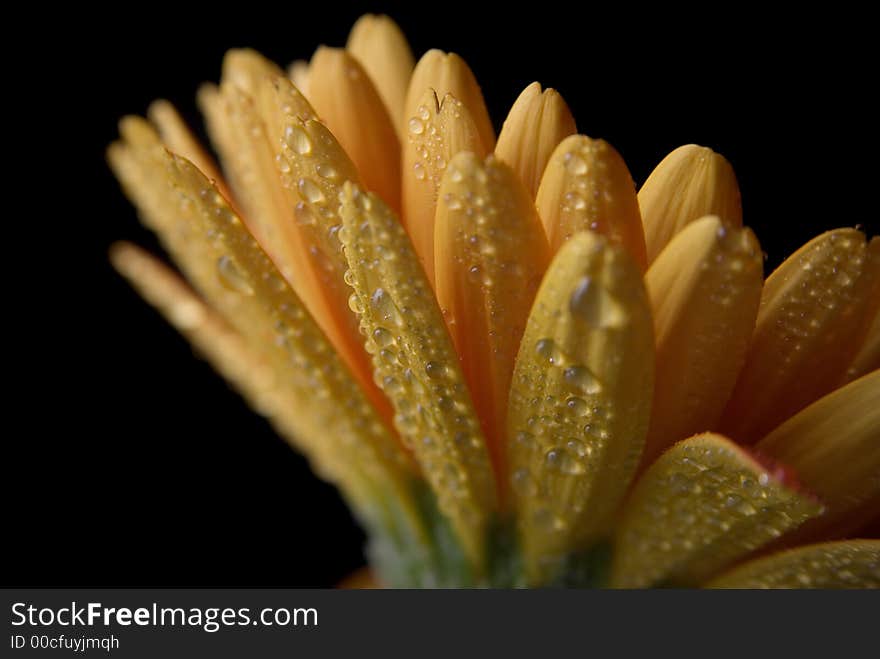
490 255
381 47
348 103
449 74
586 186
810 323
689 183
537 122
435 134
704 288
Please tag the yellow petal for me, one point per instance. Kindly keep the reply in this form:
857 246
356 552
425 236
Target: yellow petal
703 504
449 74
537 122
586 186
689 183
381 47
704 289
848 564
316 401
834 447
490 254
345 99
313 166
809 326
177 136
298 72
435 134
580 398
416 365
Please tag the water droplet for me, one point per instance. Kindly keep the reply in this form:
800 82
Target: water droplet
383 337
547 349
581 377
303 214
594 304
310 192
298 140
575 164
435 370
419 171
354 303
231 277
327 171
383 304
562 460
577 405
416 126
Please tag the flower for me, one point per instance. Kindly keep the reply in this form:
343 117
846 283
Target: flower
517 369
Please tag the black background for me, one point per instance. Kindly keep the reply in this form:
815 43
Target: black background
132 464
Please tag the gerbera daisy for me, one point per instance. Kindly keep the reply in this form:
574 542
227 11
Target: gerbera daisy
516 368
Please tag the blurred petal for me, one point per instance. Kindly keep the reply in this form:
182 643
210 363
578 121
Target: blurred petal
834 447
348 103
318 402
381 47
537 122
177 136
704 289
416 365
689 183
586 185
702 505
298 72
849 564
435 134
490 254
810 323
449 74
580 398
